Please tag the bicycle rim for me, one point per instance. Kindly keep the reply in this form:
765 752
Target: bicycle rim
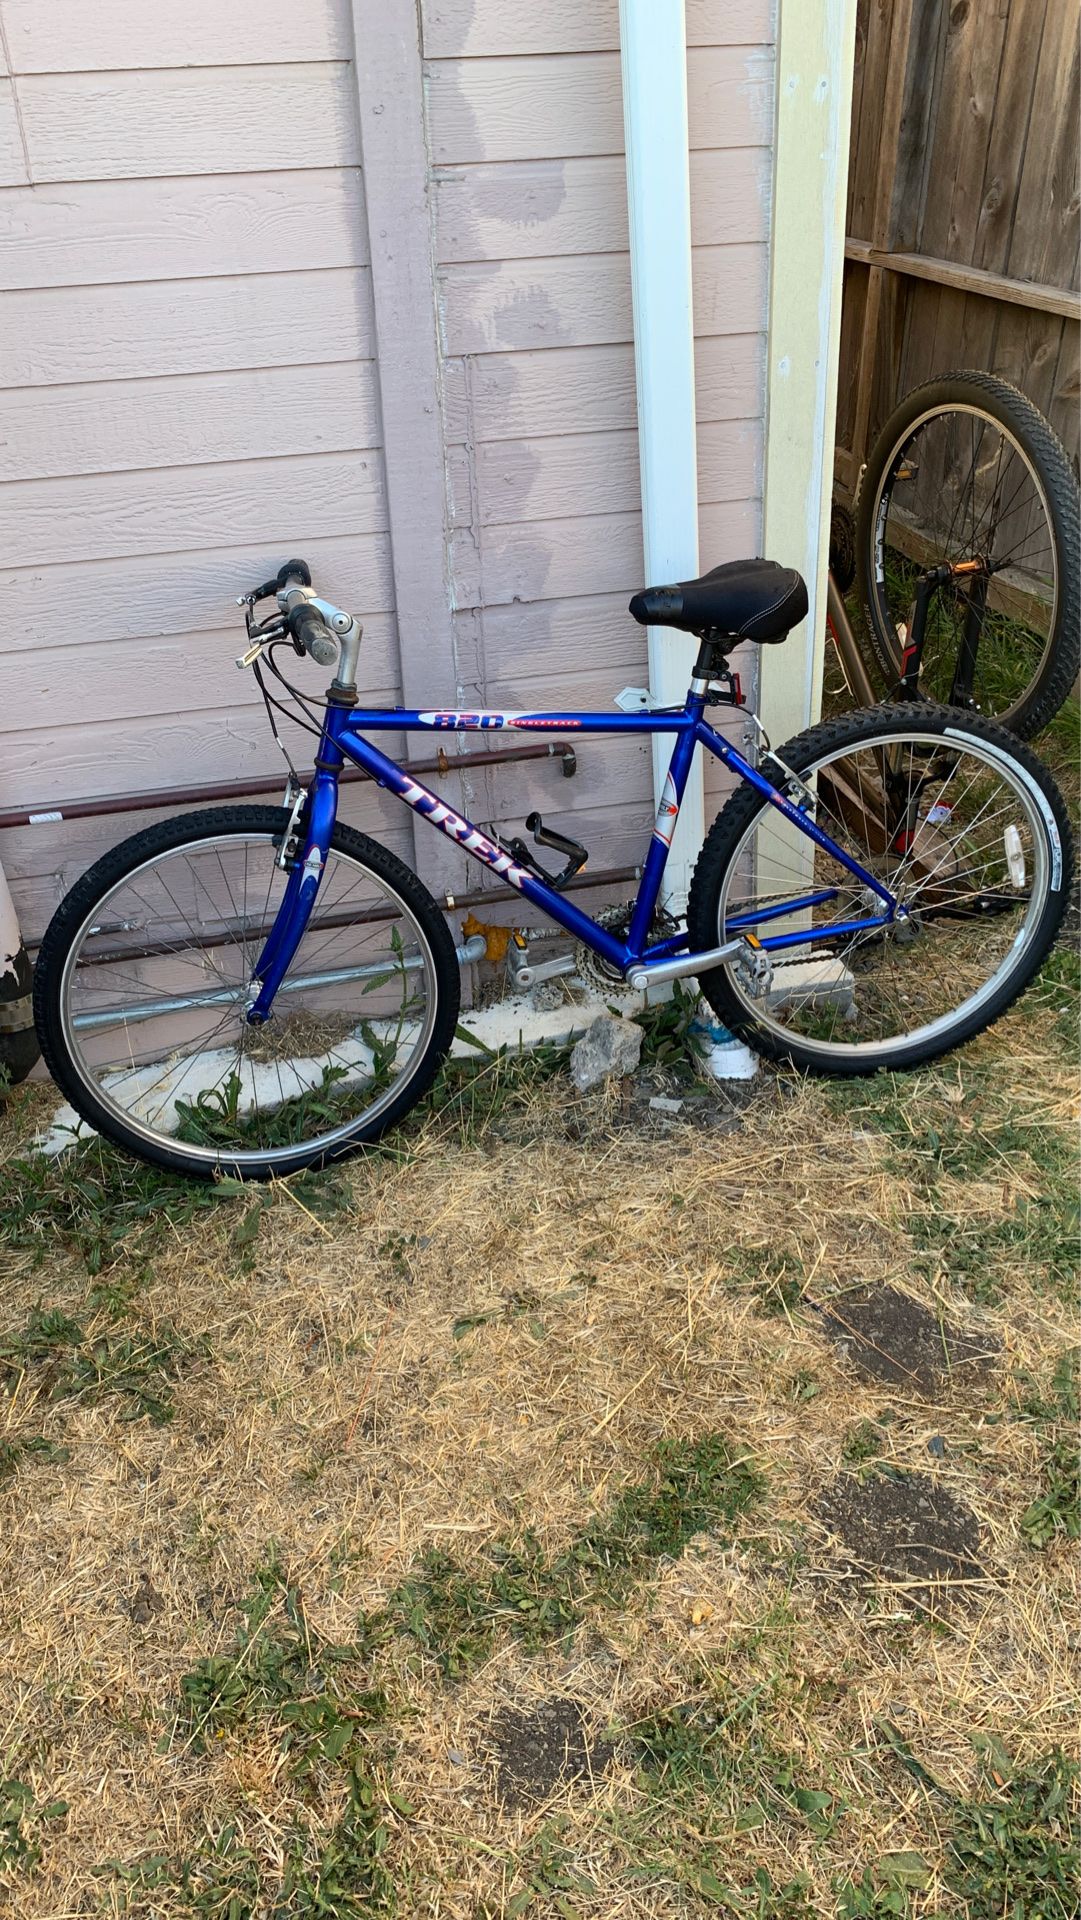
958 833
958 486
155 989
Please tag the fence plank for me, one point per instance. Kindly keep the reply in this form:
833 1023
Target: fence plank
982 234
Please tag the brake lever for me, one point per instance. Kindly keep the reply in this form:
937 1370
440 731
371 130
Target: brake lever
260 633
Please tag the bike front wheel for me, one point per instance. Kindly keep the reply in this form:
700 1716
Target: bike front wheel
144 980
963 826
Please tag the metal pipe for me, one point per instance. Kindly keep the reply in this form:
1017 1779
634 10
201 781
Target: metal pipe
473 949
476 897
151 799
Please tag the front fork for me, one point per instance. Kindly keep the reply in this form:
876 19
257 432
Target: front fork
302 886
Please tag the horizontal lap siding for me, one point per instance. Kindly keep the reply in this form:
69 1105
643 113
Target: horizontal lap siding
187 350
530 224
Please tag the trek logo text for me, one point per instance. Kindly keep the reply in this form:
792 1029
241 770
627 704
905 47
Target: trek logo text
457 829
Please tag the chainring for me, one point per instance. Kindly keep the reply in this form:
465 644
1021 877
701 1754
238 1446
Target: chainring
598 973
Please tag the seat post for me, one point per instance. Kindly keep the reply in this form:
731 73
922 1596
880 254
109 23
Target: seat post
713 651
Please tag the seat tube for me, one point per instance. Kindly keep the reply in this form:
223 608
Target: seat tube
664 826
302 887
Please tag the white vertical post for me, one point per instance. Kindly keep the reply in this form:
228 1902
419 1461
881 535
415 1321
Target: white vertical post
653 44
816 45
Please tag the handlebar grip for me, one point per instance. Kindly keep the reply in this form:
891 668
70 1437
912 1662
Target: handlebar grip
310 631
298 570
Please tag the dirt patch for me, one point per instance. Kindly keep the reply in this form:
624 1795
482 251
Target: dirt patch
543 1749
888 1336
907 1527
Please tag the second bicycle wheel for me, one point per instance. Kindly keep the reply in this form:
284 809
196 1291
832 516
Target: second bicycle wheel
967 470
959 822
144 979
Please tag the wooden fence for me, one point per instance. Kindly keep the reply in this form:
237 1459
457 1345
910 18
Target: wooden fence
962 245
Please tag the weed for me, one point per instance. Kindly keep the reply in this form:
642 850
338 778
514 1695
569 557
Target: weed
550 1874
29 1446
804 1385
666 1027
695 1487
282 1669
1057 1510
862 1442
20 1821
773 1274
349 1877
699 1746
1012 1851
870 1898
222 1879
95 1202
470 1095
72 1363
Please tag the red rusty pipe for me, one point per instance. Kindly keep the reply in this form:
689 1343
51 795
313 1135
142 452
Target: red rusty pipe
151 799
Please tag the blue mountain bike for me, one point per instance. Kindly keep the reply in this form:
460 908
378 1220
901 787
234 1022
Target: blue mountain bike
254 990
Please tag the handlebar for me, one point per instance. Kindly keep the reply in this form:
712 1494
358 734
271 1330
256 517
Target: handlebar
326 633
310 631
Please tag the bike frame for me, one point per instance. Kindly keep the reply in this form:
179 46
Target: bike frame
343 739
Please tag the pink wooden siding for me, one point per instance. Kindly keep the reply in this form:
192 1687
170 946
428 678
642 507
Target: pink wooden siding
187 350
190 375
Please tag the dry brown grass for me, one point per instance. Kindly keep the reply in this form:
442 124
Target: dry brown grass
491 1337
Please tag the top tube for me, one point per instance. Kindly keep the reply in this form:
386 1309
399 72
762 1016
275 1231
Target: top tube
529 720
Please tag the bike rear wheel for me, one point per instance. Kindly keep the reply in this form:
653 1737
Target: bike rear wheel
959 822
967 470
142 988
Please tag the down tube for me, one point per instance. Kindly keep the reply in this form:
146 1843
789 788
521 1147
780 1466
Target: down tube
429 806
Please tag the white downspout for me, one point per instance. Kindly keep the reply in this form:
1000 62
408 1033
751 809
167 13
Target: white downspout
653 44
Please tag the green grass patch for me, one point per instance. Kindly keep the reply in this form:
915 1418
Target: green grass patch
22 1820
470 1095
981 1138
20 1448
454 1615
339 1874
95 1203
1056 1512
281 1669
1011 1846
66 1361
